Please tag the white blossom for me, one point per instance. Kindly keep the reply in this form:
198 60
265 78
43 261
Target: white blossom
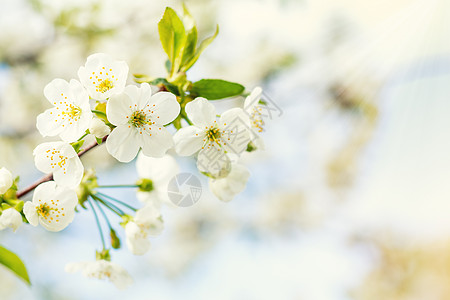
10 217
214 138
147 222
60 159
71 113
52 206
226 188
6 180
255 119
98 128
139 117
102 76
160 171
102 269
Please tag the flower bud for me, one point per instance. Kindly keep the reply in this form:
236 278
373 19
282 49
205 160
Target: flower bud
115 241
10 218
6 180
145 185
98 128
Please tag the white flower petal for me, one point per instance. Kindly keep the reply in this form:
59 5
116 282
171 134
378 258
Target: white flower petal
252 100
123 143
49 124
164 108
118 108
70 176
201 112
140 95
137 244
156 141
226 188
189 140
6 180
29 209
98 128
159 170
214 161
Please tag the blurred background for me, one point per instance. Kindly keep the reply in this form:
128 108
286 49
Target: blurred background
350 199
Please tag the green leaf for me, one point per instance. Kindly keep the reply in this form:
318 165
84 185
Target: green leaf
169 86
213 89
14 263
168 65
189 49
205 43
173 37
191 38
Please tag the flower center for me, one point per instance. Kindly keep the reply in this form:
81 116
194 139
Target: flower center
104 86
213 135
256 119
138 118
72 111
43 210
56 159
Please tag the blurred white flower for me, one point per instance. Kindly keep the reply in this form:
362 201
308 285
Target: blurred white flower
98 128
60 159
160 171
103 76
6 180
10 217
139 117
255 120
102 269
213 138
71 114
52 206
227 188
147 222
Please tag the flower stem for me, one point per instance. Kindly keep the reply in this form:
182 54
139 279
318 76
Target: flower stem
118 201
118 186
82 137
49 177
109 205
98 224
104 215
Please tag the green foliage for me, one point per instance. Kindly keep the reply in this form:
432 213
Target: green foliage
180 41
213 89
14 263
162 82
173 37
205 43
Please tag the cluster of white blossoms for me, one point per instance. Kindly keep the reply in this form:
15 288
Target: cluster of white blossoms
151 120
131 120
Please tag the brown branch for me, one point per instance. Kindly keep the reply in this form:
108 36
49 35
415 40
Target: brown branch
49 177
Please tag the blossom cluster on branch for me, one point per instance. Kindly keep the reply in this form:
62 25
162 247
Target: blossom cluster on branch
142 120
